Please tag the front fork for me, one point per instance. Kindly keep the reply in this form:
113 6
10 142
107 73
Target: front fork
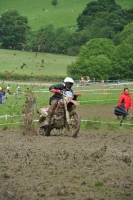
67 113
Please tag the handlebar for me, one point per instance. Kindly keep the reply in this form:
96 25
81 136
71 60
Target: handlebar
60 92
77 94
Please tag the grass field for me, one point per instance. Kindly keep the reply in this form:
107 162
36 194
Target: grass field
92 95
41 13
20 62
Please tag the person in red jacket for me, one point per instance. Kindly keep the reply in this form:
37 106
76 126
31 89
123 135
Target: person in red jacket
125 100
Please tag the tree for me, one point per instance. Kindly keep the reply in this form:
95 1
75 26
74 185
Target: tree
117 20
96 47
122 62
104 18
126 36
78 39
13 30
93 9
95 59
44 40
100 29
51 40
54 2
62 40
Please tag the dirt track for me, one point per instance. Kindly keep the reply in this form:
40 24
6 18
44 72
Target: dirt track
97 165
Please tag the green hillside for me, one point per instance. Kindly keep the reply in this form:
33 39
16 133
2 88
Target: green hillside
41 13
31 63
127 4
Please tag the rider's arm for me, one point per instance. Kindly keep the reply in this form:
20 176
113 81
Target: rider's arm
57 87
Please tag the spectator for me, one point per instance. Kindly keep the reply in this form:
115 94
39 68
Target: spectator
1 94
8 89
82 79
125 101
87 79
17 90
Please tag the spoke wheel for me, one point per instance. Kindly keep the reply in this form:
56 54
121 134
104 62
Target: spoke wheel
44 130
74 125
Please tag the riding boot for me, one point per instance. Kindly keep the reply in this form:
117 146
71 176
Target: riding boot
50 112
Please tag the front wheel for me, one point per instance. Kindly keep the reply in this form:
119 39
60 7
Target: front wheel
74 125
44 130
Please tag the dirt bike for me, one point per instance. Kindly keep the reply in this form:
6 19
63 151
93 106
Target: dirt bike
65 116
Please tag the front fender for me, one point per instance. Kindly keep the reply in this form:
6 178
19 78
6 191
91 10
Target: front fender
75 102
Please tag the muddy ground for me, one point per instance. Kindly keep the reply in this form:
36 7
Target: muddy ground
97 165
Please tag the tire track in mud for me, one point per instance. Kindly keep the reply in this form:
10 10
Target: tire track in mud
95 165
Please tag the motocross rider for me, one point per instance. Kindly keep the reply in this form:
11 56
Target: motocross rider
68 83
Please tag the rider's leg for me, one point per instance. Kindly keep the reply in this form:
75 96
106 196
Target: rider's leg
50 112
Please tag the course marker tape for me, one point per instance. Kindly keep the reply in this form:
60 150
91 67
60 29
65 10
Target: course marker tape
100 100
84 120
17 123
104 122
6 116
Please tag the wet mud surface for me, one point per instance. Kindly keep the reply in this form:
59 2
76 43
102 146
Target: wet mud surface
97 165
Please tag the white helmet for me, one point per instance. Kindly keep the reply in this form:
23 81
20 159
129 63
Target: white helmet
68 80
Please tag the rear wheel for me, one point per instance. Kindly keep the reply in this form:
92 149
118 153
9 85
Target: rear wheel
44 130
74 125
